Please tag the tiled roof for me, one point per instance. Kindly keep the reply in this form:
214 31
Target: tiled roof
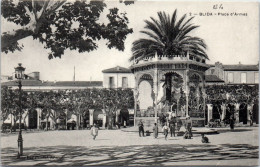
79 83
57 84
240 67
24 83
212 78
117 69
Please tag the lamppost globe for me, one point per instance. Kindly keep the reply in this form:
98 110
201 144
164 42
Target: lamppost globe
19 74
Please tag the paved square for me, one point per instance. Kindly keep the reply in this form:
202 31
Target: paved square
115 147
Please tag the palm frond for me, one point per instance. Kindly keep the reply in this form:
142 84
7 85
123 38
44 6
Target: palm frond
168 36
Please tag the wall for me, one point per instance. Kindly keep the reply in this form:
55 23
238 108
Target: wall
250 76
51 87
118 79
218 70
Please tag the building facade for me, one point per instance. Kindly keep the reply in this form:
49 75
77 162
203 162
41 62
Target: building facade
235 74
118 77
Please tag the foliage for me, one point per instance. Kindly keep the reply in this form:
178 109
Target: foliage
54 104
62 25
168 36
10 103
232 93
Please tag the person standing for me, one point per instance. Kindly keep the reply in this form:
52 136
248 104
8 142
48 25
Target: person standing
172 126
141 128
232 121
165 130
188 126
155 131
94 131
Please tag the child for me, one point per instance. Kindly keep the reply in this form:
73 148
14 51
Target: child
94 131
204 139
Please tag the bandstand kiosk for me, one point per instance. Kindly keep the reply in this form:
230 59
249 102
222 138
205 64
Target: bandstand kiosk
169 84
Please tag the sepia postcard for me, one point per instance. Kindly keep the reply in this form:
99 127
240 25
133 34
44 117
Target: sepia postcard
129 83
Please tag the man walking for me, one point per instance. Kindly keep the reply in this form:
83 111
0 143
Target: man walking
165 130
141 128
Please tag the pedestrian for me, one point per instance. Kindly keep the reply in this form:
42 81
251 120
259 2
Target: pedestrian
141 128
172 126
165 130
188 126
232 121
155 131
94 131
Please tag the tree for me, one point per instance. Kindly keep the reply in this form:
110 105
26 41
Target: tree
10 104
81 101
58 106
168 36
61 25
6 102
31 104
47 104
114 99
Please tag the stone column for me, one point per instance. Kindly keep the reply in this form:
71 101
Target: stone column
104 118
187 93
210 107
204 95
155 89
135 98
91 117
237 112
38 118
223 108
117 115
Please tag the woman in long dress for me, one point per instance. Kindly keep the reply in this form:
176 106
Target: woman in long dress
155 131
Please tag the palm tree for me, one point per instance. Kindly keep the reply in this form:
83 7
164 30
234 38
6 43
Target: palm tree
168 36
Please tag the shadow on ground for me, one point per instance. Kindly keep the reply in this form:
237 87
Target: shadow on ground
153 155
234 130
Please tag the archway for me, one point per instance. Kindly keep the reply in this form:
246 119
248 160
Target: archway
196 99
98 117
124 116
229 111
145 98
216 111
255 113
243 113
85 118
206 115
33 119
174 94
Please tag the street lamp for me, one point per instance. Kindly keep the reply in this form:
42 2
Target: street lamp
19 74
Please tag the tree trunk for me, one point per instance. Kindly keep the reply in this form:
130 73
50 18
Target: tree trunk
47 120
78 123
14 127
110 121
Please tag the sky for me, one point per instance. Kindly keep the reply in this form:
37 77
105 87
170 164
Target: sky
230 40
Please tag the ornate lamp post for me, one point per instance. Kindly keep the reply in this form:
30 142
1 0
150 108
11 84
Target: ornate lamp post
19 74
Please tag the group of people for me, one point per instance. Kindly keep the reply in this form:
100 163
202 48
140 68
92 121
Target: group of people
168 127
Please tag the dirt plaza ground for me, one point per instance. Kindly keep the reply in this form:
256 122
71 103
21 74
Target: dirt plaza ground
115 147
